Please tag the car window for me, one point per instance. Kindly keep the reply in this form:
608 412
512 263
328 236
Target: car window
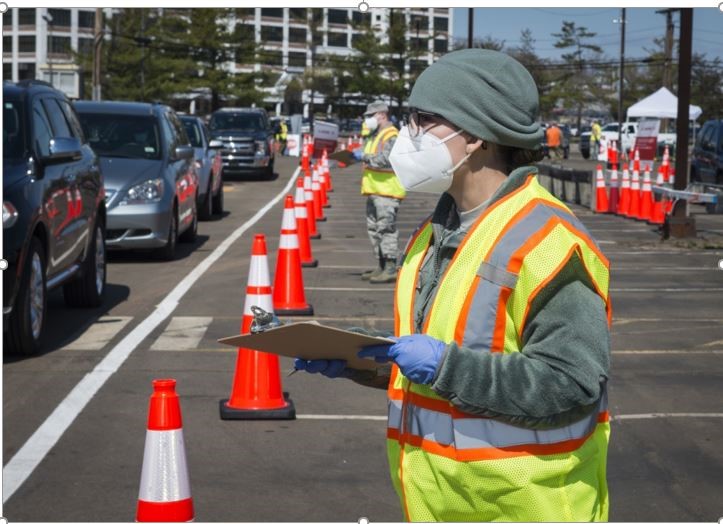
631 129
13 132
58 123
178 128
168 134
237 122
72 119
193 132
706 139
122 136
41 129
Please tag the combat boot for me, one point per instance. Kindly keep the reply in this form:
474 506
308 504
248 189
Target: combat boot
388 275
374 272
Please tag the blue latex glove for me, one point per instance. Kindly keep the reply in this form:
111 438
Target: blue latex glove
357 154
328 368
417 356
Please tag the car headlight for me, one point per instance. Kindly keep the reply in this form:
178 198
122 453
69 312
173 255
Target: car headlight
147 192
261 147
10 215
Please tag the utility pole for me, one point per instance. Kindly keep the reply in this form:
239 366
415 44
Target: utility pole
49 44
470 27
97 41
681 224
621 120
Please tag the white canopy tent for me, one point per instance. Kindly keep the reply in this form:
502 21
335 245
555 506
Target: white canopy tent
661 104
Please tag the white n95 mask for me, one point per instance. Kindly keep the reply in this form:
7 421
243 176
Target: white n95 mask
423 163
371 123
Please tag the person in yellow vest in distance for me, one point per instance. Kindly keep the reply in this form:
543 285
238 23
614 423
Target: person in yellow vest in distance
595 137
384 192
283 135
497 404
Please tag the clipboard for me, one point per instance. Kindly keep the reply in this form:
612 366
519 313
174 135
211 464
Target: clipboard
310 341
345 156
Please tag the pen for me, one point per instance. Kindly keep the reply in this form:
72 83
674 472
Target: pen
292 372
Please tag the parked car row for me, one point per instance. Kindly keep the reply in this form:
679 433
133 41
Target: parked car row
85 177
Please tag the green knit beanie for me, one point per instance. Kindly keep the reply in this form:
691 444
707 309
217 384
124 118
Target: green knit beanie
486 93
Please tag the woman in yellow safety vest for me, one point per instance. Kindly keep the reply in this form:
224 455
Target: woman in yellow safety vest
500 360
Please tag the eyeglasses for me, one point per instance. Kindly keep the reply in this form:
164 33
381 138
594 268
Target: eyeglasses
419 121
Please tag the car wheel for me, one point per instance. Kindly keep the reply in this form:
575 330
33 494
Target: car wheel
218 201
88 289
168 252
206 209
27 320
190 234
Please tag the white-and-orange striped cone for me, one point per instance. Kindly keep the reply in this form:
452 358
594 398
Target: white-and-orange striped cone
310 210
288 294
327 174
624 204
322 186
601 196
302 226
646 197
316 195
165 492
634 208
665 167
256 392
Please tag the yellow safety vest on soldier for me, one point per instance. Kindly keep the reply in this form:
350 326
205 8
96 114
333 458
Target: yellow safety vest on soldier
380 181
449 465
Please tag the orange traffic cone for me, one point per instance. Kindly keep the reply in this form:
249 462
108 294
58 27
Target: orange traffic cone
256 392
646 197
327 174
322 187
165 492
658 214
613 153
624 204
665 167
634 209
302 226
614 189
310 212
316 193
601 197
636 161
288 292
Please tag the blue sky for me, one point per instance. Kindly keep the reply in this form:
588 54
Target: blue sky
643 25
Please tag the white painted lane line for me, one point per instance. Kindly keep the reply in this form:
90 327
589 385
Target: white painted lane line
647 416
99 333
685 253
342 417
666 320
603 242
182 333
676 269
24 462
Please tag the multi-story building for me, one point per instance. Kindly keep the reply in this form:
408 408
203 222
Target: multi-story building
39 43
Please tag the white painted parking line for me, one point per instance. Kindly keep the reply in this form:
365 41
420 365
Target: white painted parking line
603 242
648 416
661 268
99 334
668 352
182 333
24 462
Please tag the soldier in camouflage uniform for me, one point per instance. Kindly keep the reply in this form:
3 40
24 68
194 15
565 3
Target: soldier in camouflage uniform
384 193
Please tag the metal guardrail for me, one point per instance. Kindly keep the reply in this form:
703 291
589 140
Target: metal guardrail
696 193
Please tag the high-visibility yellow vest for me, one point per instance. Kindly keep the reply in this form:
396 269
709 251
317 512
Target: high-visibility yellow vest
448 465
381 181
284 131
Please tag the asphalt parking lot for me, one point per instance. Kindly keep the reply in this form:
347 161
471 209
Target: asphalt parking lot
666 392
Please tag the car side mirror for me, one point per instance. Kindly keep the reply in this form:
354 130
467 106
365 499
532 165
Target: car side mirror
63 149
215 144
183 152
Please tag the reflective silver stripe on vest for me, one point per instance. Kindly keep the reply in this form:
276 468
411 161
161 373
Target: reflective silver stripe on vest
482 316
394 416
480 433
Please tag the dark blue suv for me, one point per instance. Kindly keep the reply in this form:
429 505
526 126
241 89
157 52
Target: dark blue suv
707 157
53 211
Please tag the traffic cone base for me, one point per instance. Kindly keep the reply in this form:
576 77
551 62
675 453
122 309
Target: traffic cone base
312 263
286 412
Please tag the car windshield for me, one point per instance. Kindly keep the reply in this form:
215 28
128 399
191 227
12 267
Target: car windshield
193 131
236 122
122 136
610 127
13 133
